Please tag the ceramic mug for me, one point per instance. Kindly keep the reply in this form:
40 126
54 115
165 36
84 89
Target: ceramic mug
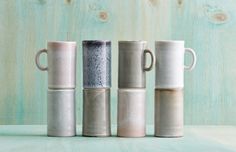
132 69
170 64
96 112
96 64
61 57
169 110
131 113
61 112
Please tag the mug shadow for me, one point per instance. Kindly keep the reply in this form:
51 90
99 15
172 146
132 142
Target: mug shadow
83 136
22 135
78 135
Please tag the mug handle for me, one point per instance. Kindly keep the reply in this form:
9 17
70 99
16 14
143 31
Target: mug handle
153 60
194 57
37 60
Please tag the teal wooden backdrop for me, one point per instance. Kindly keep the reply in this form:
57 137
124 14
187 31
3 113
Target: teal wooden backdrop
208 26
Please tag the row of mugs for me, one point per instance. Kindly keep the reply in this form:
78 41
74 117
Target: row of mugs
169 59
61 112
168 115
131 121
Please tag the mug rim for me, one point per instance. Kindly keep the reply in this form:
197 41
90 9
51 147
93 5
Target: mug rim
169 41
132 89
102 41
132 41
59 42
97 89
60 90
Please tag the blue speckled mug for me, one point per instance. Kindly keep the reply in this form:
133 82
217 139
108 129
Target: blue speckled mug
96 64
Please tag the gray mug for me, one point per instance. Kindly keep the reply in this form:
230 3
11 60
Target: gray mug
61 57
61 112
96 112
132 58
96 64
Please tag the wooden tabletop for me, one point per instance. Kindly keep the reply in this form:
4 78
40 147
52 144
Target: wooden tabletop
32 138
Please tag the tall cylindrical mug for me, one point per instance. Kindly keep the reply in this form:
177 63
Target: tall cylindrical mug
96 112
170 64
132 68
169 110
131 120
61 57
96 64
61 112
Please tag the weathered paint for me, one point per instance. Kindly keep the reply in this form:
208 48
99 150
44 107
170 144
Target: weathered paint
25 138
207 26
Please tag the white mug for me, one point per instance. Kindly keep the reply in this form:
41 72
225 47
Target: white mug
170 64
131 120
61 67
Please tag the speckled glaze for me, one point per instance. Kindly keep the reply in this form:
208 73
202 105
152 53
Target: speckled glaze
96 64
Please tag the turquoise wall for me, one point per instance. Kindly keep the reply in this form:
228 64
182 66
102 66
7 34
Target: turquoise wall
208 26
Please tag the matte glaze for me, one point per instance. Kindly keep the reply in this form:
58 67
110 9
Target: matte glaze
61 57
96 112
170 64
131 113
61 113
96 64
169 113
132 73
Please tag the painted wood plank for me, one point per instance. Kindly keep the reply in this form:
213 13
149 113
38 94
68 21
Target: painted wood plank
206 25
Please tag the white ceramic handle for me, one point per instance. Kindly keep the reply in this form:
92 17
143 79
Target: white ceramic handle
194 57
153 60
37 60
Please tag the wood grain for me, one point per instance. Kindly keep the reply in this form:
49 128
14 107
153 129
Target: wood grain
207 26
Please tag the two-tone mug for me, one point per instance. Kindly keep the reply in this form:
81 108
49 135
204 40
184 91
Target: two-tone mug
132 68
61 57
170 64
